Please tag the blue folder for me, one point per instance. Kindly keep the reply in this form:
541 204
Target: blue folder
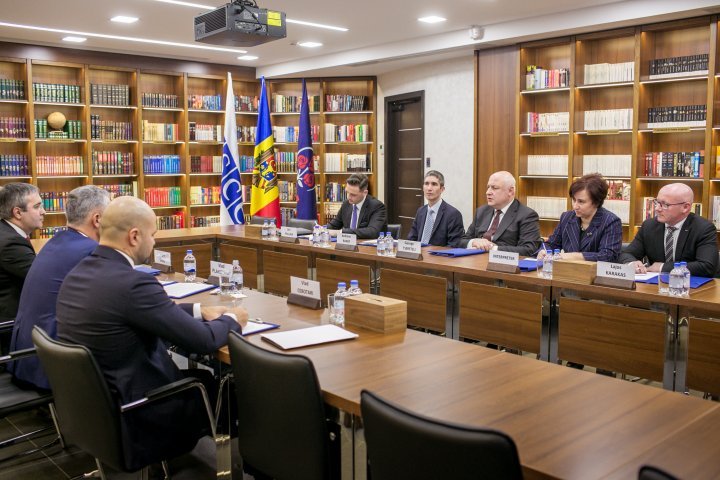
528 265
146 269
695 282
457 252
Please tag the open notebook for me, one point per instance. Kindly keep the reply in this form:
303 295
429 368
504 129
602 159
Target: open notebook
306 337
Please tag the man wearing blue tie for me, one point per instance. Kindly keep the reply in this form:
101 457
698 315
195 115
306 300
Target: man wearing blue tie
361 214
437 223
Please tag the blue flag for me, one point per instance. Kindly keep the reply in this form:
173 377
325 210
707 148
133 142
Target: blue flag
306 198
231 212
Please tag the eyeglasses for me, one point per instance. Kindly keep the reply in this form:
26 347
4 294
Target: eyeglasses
665 205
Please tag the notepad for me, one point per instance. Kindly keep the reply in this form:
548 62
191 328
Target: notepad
182 290
457 252
306 337
257 327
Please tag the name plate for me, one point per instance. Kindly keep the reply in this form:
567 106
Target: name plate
219 270
409 249
617 275
304 292
288 234
346 241
162 261
507 262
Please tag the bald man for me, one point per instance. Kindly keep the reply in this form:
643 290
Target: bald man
127 321
674 235
504 223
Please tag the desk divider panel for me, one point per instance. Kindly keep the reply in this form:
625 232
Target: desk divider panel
703 359
203 253
504 316
425 295
618 338
248 258
279 267
330 272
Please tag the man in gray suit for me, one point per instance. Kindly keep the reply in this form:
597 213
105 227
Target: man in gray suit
504 223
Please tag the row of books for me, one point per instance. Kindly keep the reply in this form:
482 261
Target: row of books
547 207
163 196
160 132
159 100
156 164
614 119
347 133
548 122
246 103
618 190
547 164
331 211
73 128
679 65
609 73
290 134
205 102
346 103
14 165
246 134
209 221
538 78
285 162
715 202
291 103
170 222
348 162
335 192
11 89
648 209
54 92
286 213
206 163
115 95
686 115
205 133
54 201
621 208
13 127
109 129
608 165
200 195
674 164
49 232
112 163
287 191
121 189
60 165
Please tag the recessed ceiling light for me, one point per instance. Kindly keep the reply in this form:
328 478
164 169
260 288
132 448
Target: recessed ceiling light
74 39
432 19
309 44
188 4
123 19
247 57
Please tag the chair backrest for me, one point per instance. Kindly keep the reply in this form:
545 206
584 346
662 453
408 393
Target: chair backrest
395 230
402 445
258 220
653 473
302 224
281 416
88 416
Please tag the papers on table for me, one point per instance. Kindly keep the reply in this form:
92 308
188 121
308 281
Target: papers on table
257 326
166 282
146 269
644 277
182 290
306 337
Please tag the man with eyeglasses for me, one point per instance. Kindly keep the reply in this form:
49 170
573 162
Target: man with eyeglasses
674 235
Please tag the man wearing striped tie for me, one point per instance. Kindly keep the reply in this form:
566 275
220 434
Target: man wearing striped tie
674 235
437 223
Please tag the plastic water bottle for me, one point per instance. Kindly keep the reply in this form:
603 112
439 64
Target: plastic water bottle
316 236
265 230
237 276
381 244
324 237
354 288
547 266
272 230
686 279
338 317
677 280
189 266
556 254
389 245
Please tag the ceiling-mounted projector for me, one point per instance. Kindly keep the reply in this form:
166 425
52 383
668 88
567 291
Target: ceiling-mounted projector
240 24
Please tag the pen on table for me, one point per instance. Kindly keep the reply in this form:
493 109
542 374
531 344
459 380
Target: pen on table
257 320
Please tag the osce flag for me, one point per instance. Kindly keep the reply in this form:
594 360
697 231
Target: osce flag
306 198
265 196
231 212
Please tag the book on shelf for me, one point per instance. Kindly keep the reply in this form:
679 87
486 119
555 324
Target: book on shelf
49 232
109 129
615 119
207 221
14 165
200 195
345 103
112 163
158 164
246 103
246 133
547 207
674 164
548 122
54 201
677 116
621 208
159 100
56 93
163 196
13 127
679 66
609 73
547 165
11 89
618 199
347 133
121 190
205 102
538 78
60 165
348 162
113 95
206 164
715 205
608 165
205 133
287 191
170 222
331 210
160 132
291 103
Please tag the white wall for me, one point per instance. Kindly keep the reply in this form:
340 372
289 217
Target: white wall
448 87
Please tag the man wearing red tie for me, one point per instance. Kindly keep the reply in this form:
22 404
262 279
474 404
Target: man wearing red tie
21 212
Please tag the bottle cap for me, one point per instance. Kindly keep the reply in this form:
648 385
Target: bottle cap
189 252
676 264
236 262
341 285
354 283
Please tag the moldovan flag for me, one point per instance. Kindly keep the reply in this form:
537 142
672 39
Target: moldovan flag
306 198
231 212
264 198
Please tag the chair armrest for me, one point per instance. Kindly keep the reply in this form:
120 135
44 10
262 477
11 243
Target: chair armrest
17 354
6 326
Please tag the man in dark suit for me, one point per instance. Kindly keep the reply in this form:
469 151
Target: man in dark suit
21 212
437 223
674 235
361 214
83 209
504 223
127 321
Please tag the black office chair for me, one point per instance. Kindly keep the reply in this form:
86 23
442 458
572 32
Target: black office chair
395 230
305 227
258 220
653 473
404 446
89 416
14 399
282 427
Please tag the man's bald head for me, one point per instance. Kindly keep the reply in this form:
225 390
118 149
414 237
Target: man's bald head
500 190
128 225
504 178
678 199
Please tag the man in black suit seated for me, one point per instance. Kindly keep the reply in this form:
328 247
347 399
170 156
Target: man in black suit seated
674 235
361 214
21 212
127 321
437 223
504 223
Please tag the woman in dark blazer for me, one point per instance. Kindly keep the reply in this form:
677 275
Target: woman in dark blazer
588 231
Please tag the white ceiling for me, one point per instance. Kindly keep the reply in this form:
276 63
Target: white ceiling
382 36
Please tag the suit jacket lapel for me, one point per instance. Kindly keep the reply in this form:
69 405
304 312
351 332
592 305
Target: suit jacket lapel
507 219
595 223
439 216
